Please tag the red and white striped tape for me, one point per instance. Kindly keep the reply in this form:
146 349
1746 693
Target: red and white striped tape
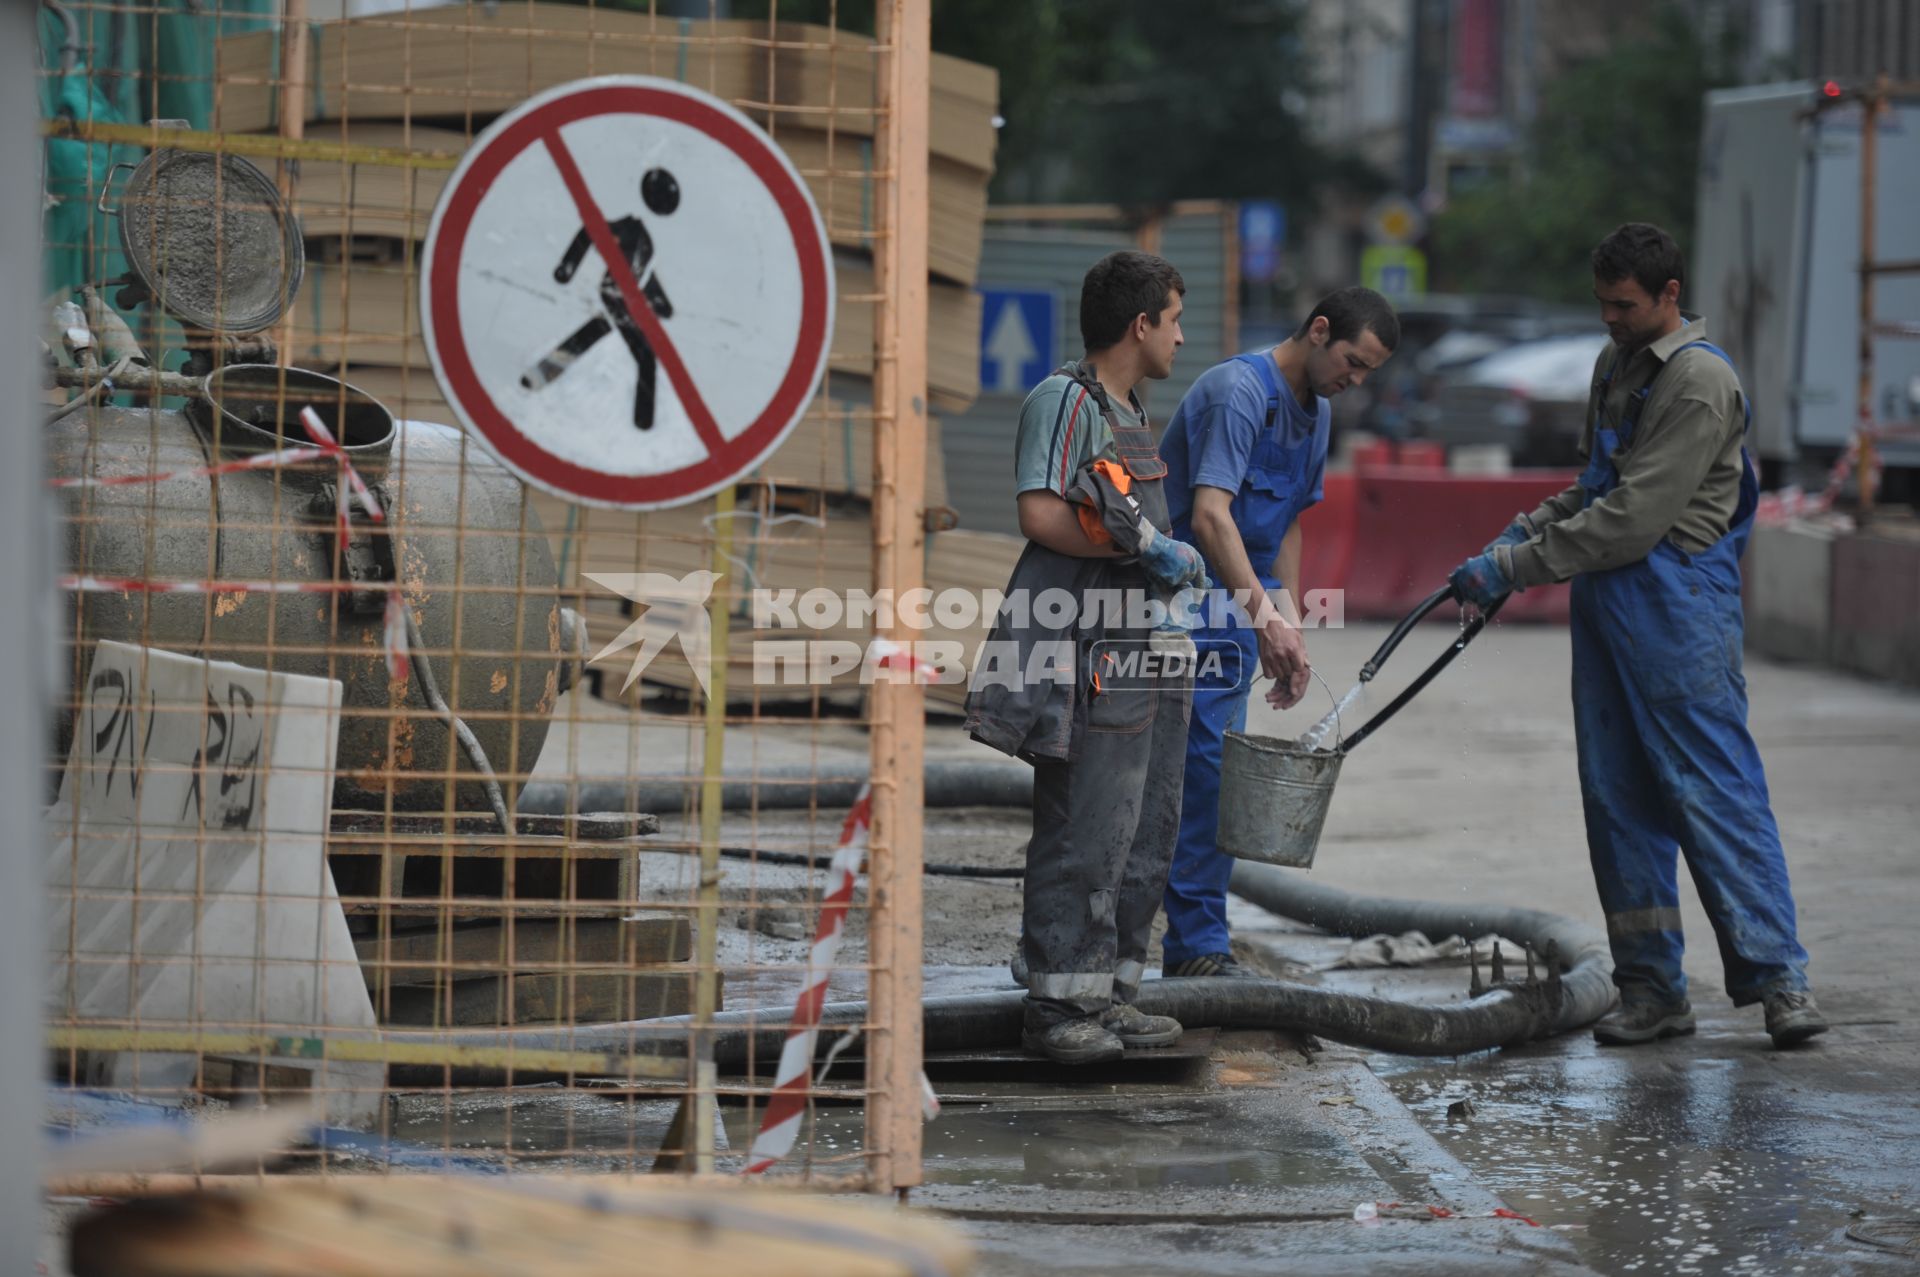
318 432
265 461
788 1103
1794 502
899 656
133 585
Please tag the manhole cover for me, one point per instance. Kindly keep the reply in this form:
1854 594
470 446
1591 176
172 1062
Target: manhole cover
1899 1235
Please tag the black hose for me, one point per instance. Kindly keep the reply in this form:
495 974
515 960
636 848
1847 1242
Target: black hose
1574 990
1582 968
948 784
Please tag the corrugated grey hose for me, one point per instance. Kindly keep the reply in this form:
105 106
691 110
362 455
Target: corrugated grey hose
948 784
1576 989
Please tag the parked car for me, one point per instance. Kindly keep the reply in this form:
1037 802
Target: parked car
1437 333
1530 397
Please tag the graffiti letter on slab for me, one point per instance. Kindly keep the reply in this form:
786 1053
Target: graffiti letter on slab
232 747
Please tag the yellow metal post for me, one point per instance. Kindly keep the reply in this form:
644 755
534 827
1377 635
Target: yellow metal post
899 538
293 125
706 992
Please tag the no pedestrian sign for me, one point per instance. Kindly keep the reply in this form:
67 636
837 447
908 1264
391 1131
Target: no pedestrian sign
627 292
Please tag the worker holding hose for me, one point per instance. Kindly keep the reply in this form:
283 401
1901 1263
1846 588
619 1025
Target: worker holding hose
1246 451
1651 536
1072 678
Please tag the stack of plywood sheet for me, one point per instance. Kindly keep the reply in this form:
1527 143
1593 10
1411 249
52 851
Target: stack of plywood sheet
397 201
427 80
472 62
365 313
779 546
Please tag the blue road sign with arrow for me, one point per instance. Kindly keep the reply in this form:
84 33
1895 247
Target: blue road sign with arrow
1017 328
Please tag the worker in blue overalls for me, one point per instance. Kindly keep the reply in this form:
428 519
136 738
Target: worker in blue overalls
1651 536
1246 452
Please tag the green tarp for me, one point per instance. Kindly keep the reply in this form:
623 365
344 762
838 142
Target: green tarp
135 62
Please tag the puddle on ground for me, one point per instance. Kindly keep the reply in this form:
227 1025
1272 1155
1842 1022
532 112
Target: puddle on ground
1209 1141
532 1128
1674 1163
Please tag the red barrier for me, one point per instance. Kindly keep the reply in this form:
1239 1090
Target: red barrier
1418 454
1389 536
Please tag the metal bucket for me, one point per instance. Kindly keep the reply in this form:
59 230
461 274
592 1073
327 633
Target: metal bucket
1274 796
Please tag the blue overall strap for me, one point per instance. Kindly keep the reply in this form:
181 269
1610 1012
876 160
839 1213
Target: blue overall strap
1630 416
1706 345
1749 477
1263 364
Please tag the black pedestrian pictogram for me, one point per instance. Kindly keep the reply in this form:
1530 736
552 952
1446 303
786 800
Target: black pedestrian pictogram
660 191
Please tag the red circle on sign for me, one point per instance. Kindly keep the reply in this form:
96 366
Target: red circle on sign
539 124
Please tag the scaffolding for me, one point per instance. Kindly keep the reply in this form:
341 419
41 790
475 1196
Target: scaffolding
360 799
1873 101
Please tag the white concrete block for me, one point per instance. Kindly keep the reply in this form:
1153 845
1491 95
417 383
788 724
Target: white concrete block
187 877
1789 596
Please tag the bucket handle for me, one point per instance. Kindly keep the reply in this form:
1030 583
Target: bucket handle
106 188
1339 737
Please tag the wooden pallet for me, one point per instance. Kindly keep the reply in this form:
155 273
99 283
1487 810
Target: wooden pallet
428 1226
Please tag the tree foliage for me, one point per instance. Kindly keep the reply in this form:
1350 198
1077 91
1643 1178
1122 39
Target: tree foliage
1132 102
1617 139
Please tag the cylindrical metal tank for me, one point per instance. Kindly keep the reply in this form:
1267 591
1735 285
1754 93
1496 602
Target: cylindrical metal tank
460 538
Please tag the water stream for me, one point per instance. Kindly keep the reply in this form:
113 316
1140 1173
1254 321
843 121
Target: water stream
1317 736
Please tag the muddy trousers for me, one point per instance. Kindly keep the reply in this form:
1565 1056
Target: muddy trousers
1103 829
1669 769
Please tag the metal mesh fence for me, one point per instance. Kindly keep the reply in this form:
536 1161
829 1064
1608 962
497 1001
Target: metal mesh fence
395 789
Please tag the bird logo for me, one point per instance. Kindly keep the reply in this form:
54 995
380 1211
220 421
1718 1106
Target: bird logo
675 608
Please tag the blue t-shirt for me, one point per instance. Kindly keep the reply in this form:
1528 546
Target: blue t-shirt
1214 430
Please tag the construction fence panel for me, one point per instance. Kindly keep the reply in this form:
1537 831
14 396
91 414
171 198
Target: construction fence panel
480 828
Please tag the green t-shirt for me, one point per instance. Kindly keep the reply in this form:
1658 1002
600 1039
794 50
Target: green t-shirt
1061 429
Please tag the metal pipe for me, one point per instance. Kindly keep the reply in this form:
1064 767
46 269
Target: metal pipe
70 48
1871 104
148 381
27 631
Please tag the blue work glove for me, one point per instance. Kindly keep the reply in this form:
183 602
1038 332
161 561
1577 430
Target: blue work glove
1480 581
1172 564
1187 609
1519 532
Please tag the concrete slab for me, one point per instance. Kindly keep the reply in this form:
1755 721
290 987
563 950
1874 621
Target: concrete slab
1788 574
1876 606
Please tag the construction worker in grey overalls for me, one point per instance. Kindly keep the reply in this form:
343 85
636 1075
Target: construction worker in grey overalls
1651 536
1059 683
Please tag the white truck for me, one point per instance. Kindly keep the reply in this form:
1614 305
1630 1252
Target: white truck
1775 269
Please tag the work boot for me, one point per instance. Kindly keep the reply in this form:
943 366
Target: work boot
1209 964
1641 1020
1793 1017
1135 1027
1081 1041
